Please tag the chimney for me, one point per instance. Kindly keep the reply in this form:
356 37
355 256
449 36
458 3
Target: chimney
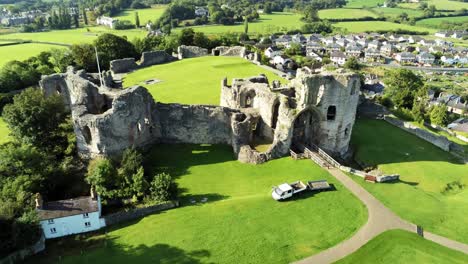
39 201
93 193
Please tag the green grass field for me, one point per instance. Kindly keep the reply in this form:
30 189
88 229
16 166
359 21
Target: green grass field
435 22
439 4
362 26
145 15
425 172
395 12
4 131
240 222
74 36
338 13
194 81
364 3
398 246
23 51
276 22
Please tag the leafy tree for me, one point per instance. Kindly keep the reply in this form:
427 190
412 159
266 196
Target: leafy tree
76 21
36 119
419 111
111 47
423 5
439 115
186 36
401 87
311 14
162 187
352 64
84 57
201 40
268 8
294 49
17 75
60 59
137 20
85 16
317 27
246 26
101 176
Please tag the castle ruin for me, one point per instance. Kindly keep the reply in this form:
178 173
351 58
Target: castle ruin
313 109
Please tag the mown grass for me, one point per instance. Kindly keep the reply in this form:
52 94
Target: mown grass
240 222
145 15
364 3
74 36
4 132
23 51
362 26
436 22
439 4
267 24
398 246
194 81
425 171
395 12
339 13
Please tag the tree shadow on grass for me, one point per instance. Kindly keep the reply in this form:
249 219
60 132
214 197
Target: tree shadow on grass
200 199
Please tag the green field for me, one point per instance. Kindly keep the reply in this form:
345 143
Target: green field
364 3
395 12
145 15
240 222
439 4
361 26
4 131
23 51
435 22
398 246
268 23
339 13
425 172
194 81
74 36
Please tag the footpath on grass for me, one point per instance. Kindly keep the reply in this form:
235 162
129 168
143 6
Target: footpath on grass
380 220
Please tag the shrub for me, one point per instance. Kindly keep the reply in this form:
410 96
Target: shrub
163 188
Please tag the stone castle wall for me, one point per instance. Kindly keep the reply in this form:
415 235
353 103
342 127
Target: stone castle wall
147 59
185 52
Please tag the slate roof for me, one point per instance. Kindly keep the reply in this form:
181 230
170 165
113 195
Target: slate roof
64 208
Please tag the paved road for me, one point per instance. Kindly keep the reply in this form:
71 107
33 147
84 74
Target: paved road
380 219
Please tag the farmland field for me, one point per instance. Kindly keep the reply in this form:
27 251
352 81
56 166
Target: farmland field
439 4
395 12
398 246
423 195
364 3
145 15
268 23
23 51
435 22
74 36
4 131
198 83
338 13
362 26
240 222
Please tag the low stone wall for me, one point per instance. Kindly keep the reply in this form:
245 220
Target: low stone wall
124 216
249 155
123 65
147 59
363 174
439 141
191 52
20 255
236 51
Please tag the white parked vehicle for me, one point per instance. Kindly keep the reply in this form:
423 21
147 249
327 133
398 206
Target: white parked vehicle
286 190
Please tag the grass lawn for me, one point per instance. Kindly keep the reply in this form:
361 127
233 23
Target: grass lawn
4 131
148 14
394 12
338 13
268 23
425 171
74 36
240 223
23 51
194 81
362 26
439 4
435 22
398 246
363 3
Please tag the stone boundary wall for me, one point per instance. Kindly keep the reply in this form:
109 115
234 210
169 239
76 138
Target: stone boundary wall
439 141
363 174
147 59
20 255
191 52
124 216
235 51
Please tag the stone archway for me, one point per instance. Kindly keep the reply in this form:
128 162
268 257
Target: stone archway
306 128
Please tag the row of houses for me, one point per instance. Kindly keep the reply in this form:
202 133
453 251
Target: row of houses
9 19
457 34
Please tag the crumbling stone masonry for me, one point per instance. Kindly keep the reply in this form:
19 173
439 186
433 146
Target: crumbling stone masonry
147 59
313 109
185 52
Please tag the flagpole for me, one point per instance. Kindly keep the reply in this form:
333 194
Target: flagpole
99 67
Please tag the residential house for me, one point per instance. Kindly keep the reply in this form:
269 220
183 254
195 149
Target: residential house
15 21
328 40
443 34
354 51
405 57
454 103
459 34
342 42
426 58
448 59
414 39
363 42
338 57
314 56
283 40
272 52
375 44
427 42
107 21
333 47
68 217
436 49
281 59
201 11
372 54
387 50
299 38
314 47
314 38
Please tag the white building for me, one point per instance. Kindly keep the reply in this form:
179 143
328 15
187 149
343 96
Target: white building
201 11
272 52
107 21
338 57
68 217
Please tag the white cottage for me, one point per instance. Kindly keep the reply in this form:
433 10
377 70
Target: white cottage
68 217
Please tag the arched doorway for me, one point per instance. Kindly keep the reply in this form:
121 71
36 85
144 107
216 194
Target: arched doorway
306 129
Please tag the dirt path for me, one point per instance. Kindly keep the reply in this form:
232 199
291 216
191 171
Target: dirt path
380 220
